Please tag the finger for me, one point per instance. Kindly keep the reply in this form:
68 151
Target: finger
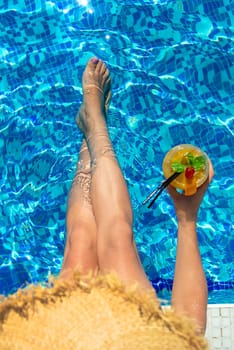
172 192
211 170
204 186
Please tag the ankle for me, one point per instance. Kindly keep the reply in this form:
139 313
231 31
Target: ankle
105 153
100 145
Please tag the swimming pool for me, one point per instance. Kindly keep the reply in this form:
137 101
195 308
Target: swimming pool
172 72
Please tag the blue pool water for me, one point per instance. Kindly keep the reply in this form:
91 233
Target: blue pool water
172 70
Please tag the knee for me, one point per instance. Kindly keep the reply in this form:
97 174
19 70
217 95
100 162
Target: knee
80 249
81 236
117 235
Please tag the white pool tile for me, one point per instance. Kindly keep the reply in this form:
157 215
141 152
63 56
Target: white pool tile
220 327
216 322
226 343
225 332
217 343
225 312
215 312
225 321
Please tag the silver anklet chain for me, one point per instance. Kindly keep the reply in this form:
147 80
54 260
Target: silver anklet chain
106 152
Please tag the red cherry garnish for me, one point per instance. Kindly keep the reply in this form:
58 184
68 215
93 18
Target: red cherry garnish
189 172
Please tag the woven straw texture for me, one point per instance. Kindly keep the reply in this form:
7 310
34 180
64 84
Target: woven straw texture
96 313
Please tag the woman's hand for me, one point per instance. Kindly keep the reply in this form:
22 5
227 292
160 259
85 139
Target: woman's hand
187 207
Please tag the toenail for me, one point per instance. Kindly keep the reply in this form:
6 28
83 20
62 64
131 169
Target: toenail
95 60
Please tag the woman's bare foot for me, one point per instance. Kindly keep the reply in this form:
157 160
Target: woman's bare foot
96 83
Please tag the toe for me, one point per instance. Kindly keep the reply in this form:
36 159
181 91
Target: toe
94 60
106 75
91 65
99 66
103 68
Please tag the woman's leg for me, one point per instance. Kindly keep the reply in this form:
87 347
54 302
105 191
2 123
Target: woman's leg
80 250
110 199
81 245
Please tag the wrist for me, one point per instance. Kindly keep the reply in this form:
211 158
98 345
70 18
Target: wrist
187 230
186 218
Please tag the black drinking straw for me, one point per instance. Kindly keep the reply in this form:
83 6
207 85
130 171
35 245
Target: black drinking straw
159 190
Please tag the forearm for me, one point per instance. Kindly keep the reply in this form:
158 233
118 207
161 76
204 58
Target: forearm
189 294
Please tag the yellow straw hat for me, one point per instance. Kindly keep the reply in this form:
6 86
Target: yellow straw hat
96 313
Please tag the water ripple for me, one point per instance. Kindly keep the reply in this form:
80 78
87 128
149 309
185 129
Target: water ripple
172 68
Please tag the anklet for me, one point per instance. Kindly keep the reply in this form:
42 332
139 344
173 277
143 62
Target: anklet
108 152
87 89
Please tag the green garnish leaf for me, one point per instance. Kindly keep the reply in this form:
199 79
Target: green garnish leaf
177 167
199 163
190 158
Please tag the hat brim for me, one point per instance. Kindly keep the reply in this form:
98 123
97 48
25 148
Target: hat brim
92 313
